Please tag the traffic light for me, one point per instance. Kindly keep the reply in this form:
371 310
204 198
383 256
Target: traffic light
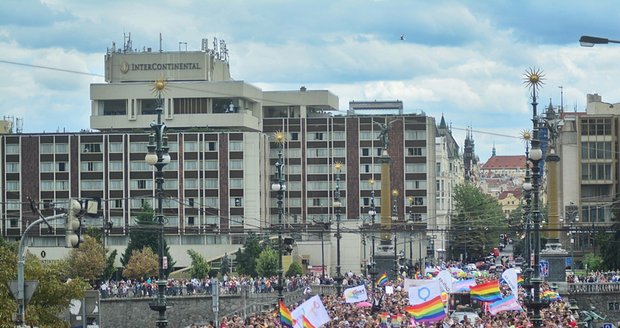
73 224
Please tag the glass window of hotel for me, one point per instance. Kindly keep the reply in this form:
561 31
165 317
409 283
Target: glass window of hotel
191 184
138 147
115 166
190 165
212 219
62 148
338 152
172 221
62 184
338 135
318 185
13 205
91 148
293 136
419 201
235 164
139 165
142 184
12 185
91 166
116 184
115 147
294 202
47 185
211 164
171 184
11 149
415 135
236 183
117 221
416 151
292 153
318 152
235 145
46 166
211 146
312 136
415 184
211 184
366 135
190 146
190 221
415 168
12 167
318 168
237 202
172 166
211 203
91 185
173 146
293 185
293 169
137 203
236 220
46 148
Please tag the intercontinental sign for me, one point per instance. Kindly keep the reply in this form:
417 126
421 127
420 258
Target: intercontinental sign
126 67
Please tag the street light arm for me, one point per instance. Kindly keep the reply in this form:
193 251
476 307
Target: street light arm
590 41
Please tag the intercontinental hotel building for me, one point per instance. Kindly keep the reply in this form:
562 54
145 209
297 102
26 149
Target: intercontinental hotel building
217 185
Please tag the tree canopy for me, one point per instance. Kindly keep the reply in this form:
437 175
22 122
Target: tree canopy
146 234
142 264
200 267
267 263
87 261
476 224
246 257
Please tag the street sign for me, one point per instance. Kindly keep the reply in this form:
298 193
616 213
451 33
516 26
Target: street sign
608 325
29 287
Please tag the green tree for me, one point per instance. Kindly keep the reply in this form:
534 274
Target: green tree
200 267
477 223
594 262
294 269
609 244
142 264
225 265
110 268
267 263
146 234
246 258
52 296
87 261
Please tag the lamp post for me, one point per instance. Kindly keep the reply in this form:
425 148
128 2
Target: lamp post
158 156
535 303
572 218
373 213
527 217
410 222
394 219
279 186
337 206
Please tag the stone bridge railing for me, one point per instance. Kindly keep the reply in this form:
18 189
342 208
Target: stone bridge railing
593 288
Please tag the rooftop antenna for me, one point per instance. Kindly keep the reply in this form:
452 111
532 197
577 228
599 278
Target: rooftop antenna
160 41
127 40
561 100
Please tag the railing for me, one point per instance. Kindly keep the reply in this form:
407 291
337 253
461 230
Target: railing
594 288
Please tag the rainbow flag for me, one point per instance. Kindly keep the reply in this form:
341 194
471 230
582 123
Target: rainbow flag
486 292
384 317
550 295
306 322
286 319
383 280
520 280
430 311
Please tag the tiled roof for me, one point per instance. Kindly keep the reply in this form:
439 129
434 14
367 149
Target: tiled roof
515 192
505 162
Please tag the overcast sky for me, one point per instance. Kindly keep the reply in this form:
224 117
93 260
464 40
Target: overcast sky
465 59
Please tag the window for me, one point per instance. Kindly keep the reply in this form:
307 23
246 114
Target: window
415 184
415 168
235 164
46 148
236 220
92 148
62 148
236 183
116 184
294 135
190 202
419 201
12 149
116 147
141 184
318 169
211 202
365 152
138 147
190 165
191 183
212 219
47 185
62 185
211 183
417 151
211 165
338 135
62 166
91 185
46 167
338 152
12 185
12 167
415 135
293 169
316 202
115 166
595 171
238 202
13 206
318 136
191 146
317 152
211 146
366 135
140 166
235 146
92 166
596 150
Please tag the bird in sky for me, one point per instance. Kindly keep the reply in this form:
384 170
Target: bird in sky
402 37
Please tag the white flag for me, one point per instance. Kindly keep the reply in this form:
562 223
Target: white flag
314 310
445 281
355 294
421 294
510 276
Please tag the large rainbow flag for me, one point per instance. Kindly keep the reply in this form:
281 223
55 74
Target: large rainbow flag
306 322
486 292
383 280
286 319
430 311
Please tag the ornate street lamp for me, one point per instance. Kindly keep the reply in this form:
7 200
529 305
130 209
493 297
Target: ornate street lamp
533 79
410 222
373 213
394 219
279 186
158 156
337 206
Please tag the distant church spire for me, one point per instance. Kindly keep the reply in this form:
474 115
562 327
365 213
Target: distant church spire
493 153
